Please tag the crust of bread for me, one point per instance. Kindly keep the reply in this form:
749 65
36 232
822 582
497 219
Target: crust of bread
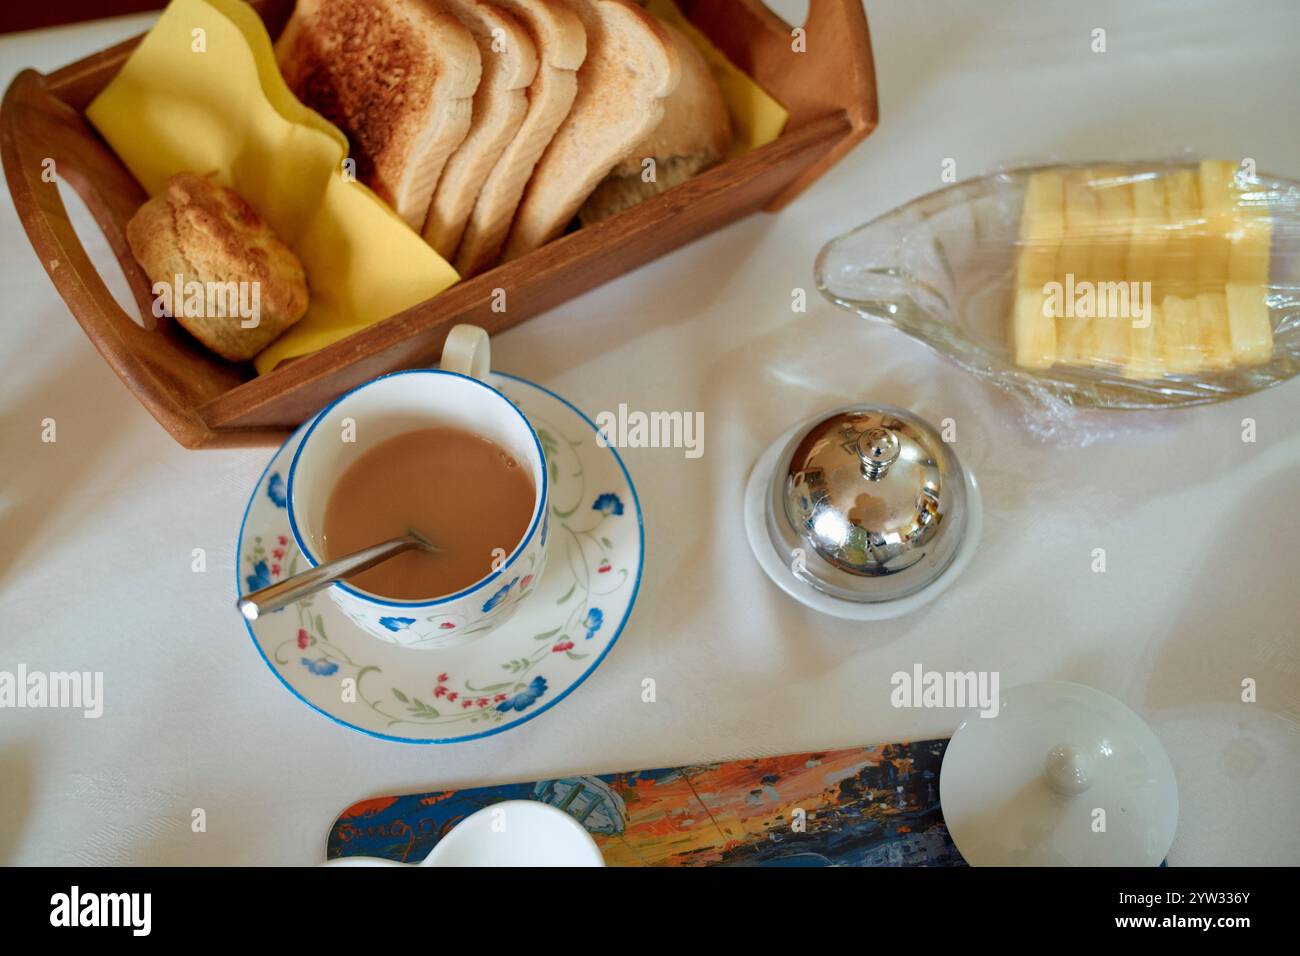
561 45
631 67
555 28
694 134
616 193
509 61
205 233
397 77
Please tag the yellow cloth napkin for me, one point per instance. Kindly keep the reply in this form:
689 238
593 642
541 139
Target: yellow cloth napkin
756 118
203 93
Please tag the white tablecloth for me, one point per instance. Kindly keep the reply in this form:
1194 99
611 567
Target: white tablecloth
1200 529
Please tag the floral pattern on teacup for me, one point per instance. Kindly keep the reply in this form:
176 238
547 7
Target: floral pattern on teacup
446 622
498 597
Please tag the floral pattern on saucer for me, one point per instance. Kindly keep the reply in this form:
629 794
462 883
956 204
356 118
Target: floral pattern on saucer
550 645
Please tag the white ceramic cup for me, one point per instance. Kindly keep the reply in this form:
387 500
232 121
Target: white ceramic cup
510 833
517 833
454 395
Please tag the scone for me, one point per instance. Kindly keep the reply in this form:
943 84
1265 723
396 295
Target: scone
217 266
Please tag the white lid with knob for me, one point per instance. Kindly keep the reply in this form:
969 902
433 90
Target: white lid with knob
1063 775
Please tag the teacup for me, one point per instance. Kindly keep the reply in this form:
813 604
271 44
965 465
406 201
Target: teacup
456 396
509 833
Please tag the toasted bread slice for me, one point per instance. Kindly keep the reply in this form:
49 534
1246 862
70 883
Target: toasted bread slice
561 44
631 67
694 134
509 66
397 77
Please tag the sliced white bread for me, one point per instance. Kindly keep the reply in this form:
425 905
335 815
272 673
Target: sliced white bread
509 66
397 77
561 45
694 134
631 67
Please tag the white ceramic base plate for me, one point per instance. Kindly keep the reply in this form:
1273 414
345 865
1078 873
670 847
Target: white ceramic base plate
558 636
1001 809
760 541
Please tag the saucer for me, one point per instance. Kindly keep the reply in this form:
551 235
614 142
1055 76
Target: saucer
757 489
530 663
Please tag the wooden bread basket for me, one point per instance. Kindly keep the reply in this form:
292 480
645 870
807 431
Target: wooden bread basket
205 402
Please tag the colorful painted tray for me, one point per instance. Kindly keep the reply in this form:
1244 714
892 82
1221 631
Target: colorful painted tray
869 806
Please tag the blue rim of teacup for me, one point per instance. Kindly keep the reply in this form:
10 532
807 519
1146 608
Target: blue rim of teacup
524 542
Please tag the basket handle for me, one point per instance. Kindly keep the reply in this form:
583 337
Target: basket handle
830 71
42 137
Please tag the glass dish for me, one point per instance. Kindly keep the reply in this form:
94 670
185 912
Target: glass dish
943 269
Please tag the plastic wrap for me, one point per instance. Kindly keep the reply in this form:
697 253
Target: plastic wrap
1136 285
